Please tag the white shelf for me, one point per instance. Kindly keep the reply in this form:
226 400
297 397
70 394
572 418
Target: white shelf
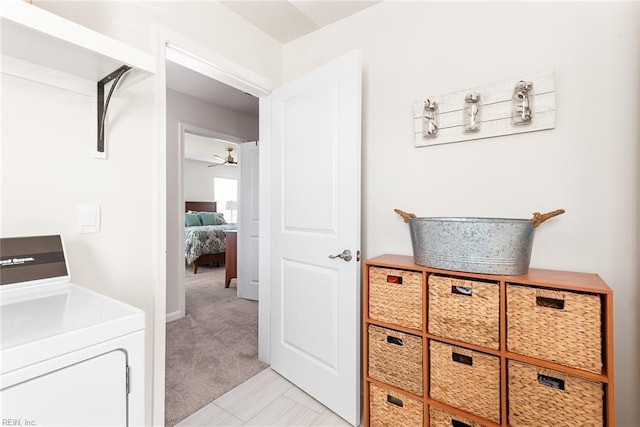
38 36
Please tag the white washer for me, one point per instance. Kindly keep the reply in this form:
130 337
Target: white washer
68 356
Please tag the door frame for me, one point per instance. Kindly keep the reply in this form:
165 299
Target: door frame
264 227
192 55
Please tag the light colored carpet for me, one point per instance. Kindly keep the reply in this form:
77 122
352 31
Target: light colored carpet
213 348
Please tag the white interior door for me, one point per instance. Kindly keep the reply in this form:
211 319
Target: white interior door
248 222
315 213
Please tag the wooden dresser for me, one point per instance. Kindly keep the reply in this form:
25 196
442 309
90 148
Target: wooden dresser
231 256
444 348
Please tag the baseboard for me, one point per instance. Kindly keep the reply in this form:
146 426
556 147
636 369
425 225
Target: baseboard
173 316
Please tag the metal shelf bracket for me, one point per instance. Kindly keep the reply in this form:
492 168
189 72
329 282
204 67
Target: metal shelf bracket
103 104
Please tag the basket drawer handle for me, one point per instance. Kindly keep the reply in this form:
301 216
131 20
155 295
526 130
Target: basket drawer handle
456 423
552 382
461 358
462 290
394 279
395 401
394 340
554 303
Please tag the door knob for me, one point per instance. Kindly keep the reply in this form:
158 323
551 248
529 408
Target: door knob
345 255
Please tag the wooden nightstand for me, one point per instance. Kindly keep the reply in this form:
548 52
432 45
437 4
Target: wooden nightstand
231 257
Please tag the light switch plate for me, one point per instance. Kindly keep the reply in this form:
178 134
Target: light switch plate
89 218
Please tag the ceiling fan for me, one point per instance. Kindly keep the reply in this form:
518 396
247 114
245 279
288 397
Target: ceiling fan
229 160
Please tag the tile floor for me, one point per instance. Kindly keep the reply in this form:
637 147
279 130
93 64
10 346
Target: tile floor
267 399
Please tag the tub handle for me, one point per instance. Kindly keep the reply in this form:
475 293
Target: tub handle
406 216
539 218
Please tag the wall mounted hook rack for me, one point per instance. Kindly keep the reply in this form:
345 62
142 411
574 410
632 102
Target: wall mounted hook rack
503 108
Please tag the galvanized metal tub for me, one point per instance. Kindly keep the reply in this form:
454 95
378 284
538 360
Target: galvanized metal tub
477 245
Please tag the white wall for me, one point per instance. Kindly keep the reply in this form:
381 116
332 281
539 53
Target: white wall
47 171
588 164
46 137
194 111
183 108
198 179
198 183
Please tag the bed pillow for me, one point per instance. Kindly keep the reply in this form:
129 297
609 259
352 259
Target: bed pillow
220 218
207 218
191 219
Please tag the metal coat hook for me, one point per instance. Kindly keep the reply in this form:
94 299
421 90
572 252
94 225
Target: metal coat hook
104 105
522 113
471 117
430 129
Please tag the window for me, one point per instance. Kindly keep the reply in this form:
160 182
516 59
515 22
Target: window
225 192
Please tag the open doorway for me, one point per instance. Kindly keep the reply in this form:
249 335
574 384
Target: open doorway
211 168
211 338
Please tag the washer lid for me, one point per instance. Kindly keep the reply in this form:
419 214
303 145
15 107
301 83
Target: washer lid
37 329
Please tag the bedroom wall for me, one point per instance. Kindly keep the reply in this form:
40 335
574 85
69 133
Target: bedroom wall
198 180
183 108
588 164
47 170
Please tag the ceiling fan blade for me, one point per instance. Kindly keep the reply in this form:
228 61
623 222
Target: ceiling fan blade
216 164
229 160
222 160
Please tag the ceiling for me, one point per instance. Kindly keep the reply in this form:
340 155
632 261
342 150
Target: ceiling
187 81
287 20
281 19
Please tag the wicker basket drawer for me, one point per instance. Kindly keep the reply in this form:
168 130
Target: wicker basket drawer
395 296
464 310
559 326
543 397
390 409
442 418
396 358
466 379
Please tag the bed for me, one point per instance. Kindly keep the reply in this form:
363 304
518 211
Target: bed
204 244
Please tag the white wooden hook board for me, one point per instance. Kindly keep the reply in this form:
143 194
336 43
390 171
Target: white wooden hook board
495 109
